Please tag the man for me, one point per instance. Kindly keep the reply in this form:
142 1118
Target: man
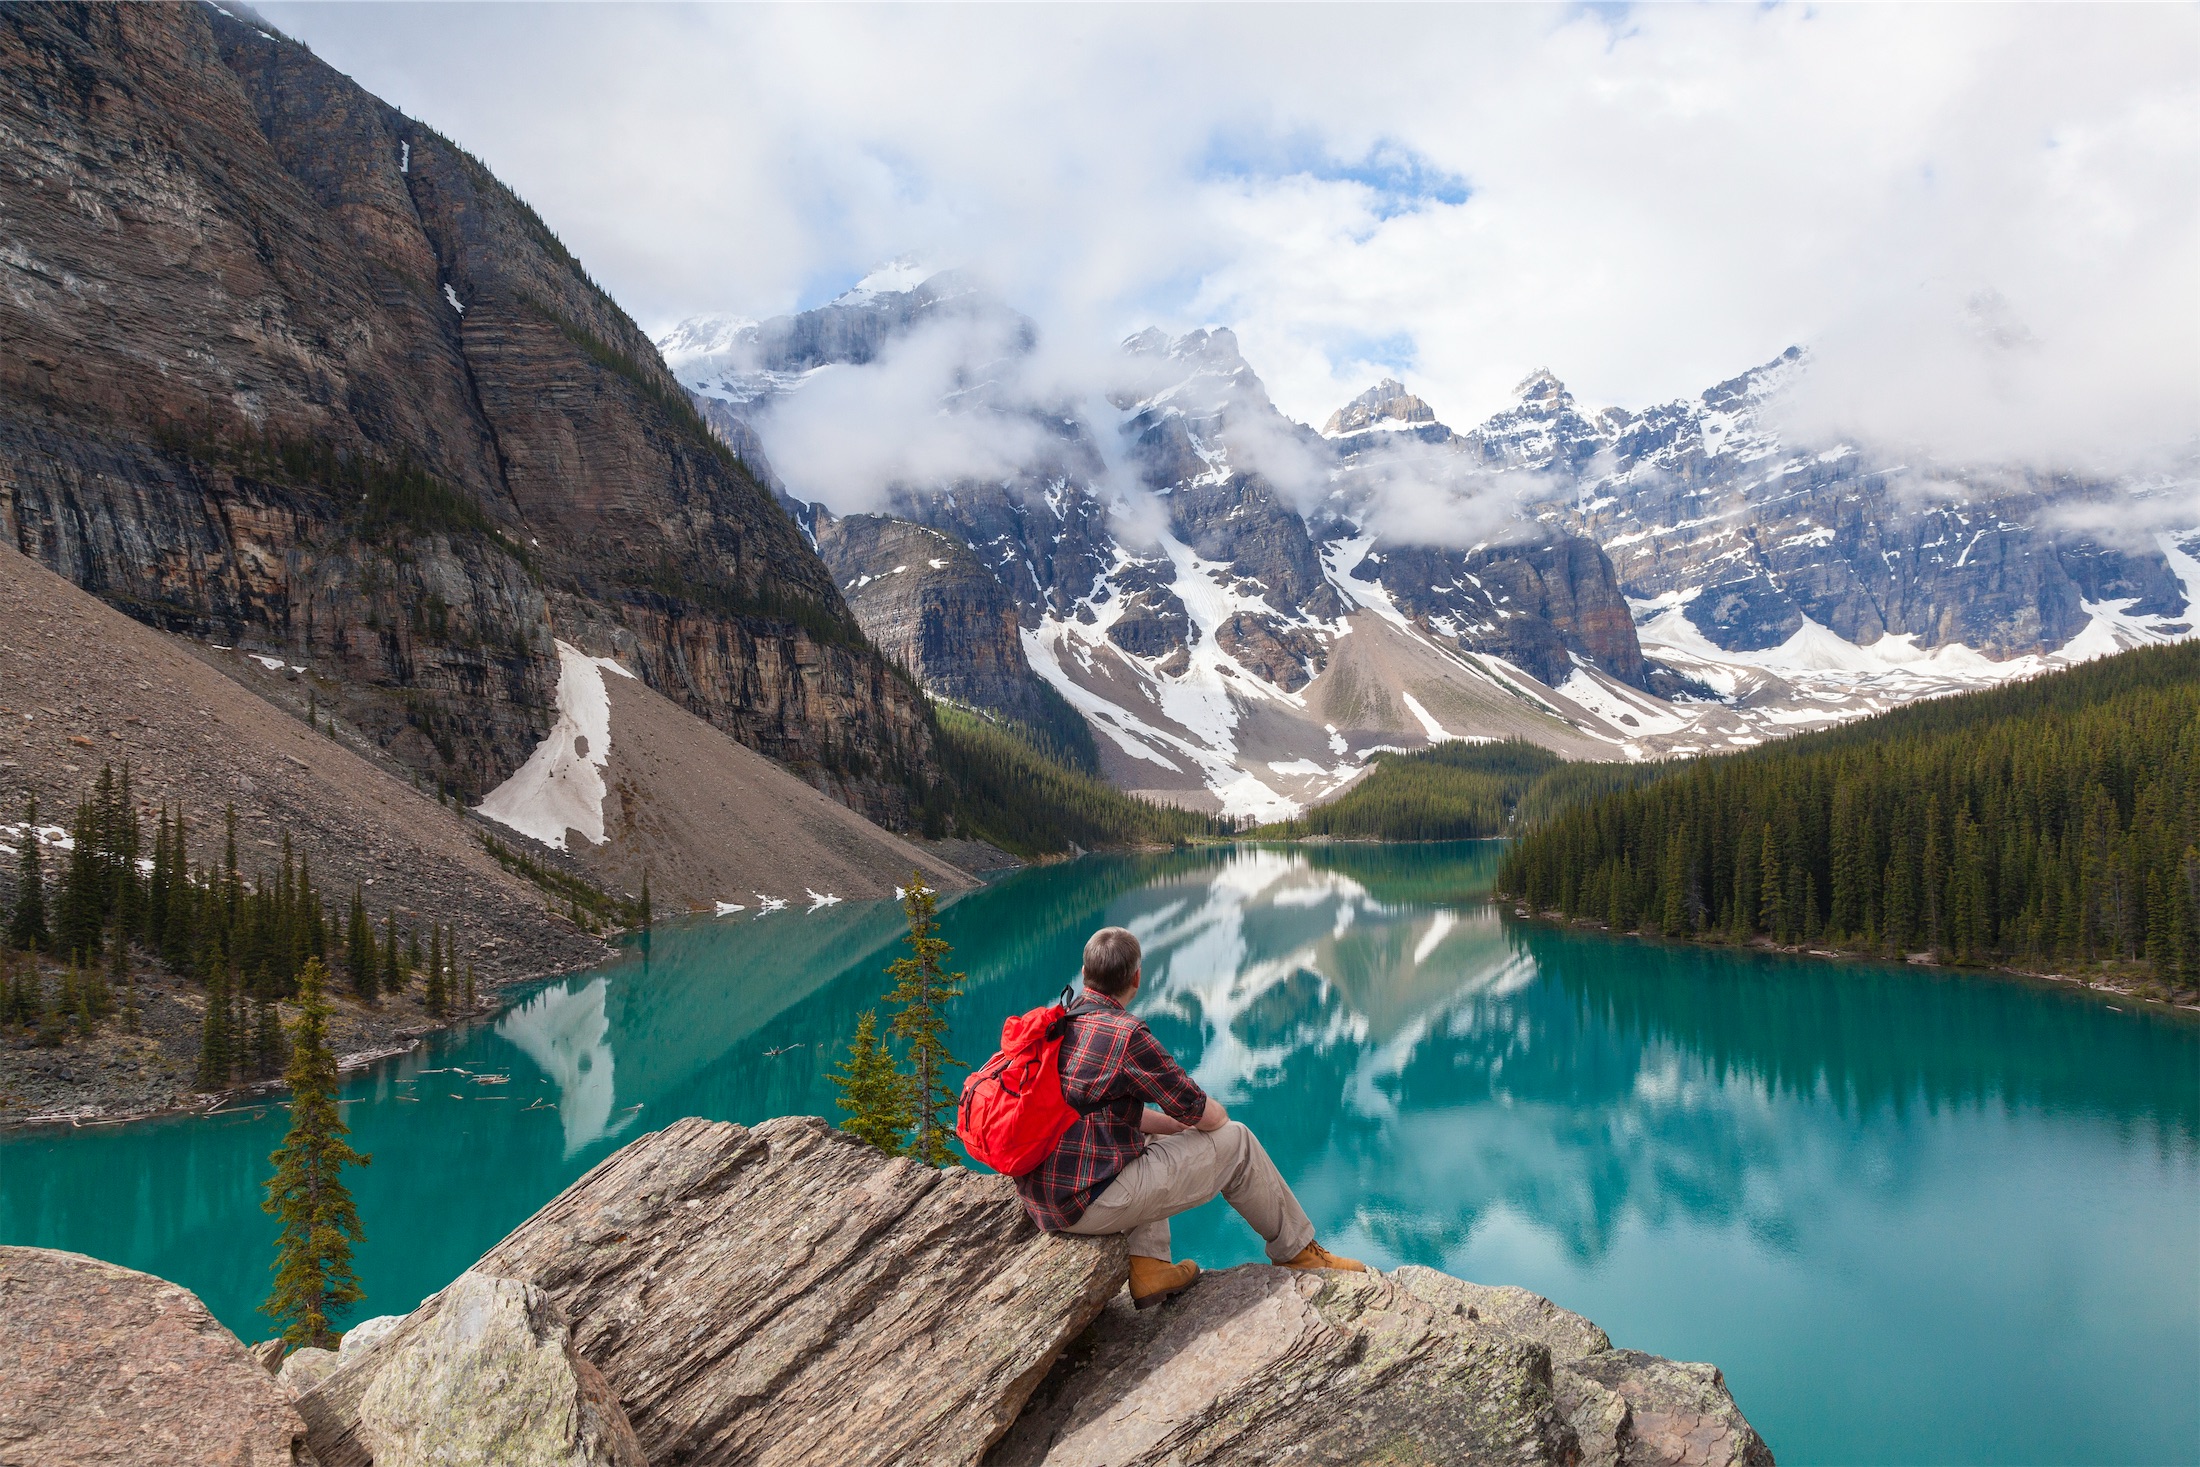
1126 1168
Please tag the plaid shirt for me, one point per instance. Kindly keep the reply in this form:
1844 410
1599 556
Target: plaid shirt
1111 1066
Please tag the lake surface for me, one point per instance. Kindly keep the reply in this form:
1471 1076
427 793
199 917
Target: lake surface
1915 1216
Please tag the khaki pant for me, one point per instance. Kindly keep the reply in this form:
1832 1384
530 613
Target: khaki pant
1177 1173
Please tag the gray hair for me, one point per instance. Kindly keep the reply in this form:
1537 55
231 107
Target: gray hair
1111 959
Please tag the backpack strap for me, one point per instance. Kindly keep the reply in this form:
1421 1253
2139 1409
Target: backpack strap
1075 1005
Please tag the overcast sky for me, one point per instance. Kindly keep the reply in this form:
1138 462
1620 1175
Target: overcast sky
1984 221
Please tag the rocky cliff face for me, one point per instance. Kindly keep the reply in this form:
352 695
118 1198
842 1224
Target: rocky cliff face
283 366
927 602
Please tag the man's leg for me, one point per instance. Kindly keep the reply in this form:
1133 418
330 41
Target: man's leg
1179 1172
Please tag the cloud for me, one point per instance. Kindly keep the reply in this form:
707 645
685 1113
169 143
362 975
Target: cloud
1645 199
947 402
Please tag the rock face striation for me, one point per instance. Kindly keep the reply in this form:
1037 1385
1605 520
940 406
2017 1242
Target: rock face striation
280 366
1260 1364
929 603
105 1365
785 1294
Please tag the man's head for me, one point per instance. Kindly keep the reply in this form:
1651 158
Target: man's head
1111 961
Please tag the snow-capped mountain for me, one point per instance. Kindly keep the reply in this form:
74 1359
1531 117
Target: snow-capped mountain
1244 609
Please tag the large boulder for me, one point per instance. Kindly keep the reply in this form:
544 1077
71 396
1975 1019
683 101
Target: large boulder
100 1365
785 1295
1628 1409
1260 1364
488 1375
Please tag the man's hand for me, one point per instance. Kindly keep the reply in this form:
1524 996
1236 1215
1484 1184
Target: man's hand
1215 1118
1157 1123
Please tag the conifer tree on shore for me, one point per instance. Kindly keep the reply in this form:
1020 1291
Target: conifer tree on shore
921 988
314 1280
27 923
215 1057
873 1092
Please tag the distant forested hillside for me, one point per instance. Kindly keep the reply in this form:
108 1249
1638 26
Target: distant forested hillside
1028 799
2048 825
1458 791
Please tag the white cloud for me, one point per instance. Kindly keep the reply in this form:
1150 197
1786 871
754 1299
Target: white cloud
1651 202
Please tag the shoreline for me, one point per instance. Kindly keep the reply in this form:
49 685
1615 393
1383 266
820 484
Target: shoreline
384 1044
2179 1001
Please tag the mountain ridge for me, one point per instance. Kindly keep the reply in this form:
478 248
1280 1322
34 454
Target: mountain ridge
1637 583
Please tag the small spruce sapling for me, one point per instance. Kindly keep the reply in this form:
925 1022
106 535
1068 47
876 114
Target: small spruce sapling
921 989
314 1280
872 1091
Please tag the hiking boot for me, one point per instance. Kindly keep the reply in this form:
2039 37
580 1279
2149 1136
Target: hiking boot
1155 1279
1314 1255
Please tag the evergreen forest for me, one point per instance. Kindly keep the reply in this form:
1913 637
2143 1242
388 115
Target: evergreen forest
244 940
2053 825
1458 791
1014 789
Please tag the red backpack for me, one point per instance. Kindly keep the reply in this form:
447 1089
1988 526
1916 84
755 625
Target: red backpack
1013 1113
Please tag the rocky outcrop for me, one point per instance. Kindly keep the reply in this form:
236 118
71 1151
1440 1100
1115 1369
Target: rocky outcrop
1258 1364
927 601
1387 408
1538 603
283 366
1627 1409
105 1365
787 1295
784 1295
490 1375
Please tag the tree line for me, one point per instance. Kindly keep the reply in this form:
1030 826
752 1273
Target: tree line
1008 790
2054 823
1456 791
246 941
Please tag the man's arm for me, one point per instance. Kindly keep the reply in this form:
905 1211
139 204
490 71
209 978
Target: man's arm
1152 1074
1215 1118
1155 1123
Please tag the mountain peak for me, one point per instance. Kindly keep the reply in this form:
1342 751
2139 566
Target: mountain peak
1385 405
1542 389
897 276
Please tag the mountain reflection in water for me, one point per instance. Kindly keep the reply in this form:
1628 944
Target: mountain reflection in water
1914 1215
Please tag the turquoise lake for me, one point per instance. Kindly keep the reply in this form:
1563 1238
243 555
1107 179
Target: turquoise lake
1915 1216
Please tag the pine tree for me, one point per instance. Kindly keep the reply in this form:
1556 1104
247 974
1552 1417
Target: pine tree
921 988
873 1092
313 1274
27 923
360 964
645 901
177 941
1774 915
267 1037
82 910
471 1001
215 1057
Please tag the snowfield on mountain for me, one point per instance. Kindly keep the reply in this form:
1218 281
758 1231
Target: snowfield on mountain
1245 610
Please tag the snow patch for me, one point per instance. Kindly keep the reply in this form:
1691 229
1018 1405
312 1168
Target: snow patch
560 788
